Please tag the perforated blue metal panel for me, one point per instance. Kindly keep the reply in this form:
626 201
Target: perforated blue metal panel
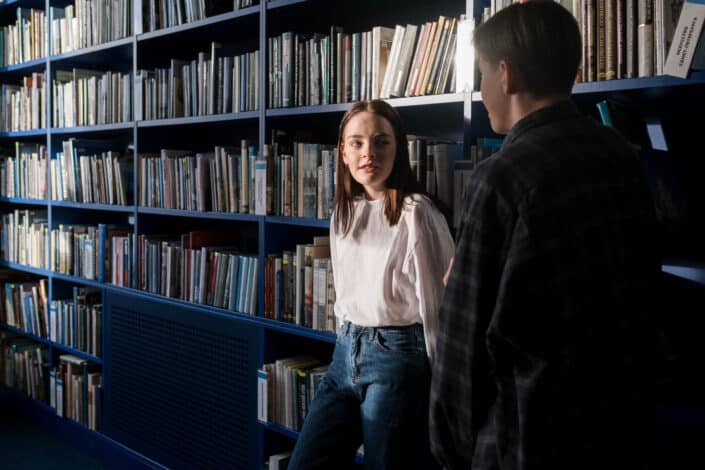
180 385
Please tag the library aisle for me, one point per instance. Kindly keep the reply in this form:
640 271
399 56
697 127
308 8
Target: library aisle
27 442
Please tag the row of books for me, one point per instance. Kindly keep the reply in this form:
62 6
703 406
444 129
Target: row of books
88 23
299 286
67 249
24 306
341 67
220 181
199 267
158 14
25 39
210 84
75 390
299 178
624 39
431 162
23 107
24 174
76 322
285 389
85 97
85 173
24 365
25 237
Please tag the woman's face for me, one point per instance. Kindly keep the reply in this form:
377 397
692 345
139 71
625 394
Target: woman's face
369 149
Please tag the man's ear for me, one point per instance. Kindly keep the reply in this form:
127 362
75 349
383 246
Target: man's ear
510 76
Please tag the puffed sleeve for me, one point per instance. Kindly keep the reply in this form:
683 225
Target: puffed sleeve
432 251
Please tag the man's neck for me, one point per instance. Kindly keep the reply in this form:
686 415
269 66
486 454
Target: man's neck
523 104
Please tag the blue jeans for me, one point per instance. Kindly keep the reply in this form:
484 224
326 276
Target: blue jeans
376 394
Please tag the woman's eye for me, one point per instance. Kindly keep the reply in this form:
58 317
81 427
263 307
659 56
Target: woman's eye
355 144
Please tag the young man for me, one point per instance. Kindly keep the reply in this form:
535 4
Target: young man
544 334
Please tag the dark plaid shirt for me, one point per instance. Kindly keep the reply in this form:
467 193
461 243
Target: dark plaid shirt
544 330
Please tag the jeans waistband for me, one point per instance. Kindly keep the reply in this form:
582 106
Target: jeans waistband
370 331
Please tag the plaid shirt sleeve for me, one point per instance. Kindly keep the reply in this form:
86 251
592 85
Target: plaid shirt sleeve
462 389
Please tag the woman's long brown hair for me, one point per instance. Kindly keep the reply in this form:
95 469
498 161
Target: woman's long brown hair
401 181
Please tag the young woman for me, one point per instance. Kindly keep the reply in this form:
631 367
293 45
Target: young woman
390 248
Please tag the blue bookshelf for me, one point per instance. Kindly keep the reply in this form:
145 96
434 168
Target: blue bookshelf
151 340
23 201
185 121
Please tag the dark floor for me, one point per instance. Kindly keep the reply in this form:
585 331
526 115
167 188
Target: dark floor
25 445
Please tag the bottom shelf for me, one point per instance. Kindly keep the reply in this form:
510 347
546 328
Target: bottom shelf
290 433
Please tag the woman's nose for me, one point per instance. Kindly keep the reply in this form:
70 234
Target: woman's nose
369 150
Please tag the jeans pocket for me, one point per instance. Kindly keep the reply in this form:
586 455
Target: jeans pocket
400 341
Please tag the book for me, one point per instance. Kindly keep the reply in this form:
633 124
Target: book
279 461
698 62
262 387
685 39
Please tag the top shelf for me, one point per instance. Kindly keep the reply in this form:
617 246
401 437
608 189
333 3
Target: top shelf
644 84
206 22
448 98
283 3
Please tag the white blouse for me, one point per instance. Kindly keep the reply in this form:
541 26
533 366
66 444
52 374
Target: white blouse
392 276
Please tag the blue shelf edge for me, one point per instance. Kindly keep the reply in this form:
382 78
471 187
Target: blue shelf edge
26 334
92 206
626 84
209 21
280 429
55 345
209 118
283 3
298 330
290 433
689 271
408 101
199 214
30 64
254 320
20 134
116 126
25 268
19 200
307 222
92 49
77 352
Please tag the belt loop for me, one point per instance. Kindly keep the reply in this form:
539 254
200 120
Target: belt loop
420 337
372 333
